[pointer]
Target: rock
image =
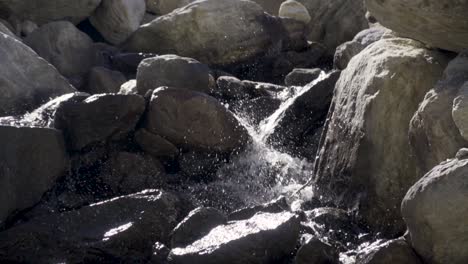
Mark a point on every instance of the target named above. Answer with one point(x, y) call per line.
point(313, 250)
point(200, 165)
point(388, 252)
point(215, 32)
point(278, 205)
point(301, 77)
point(264, 238)
point(25, 173)
point(366, 158)
point(126, 172)
point(128, 62)
point(25, 88)
point(130, 87)
point(45, 11)
point(162, 7)
point(440, 24)
point(270, 6)
point(335, 22)
point(5, 30)
point(193, 120)
point(196, 225)
point(148, 17)
point(64, 46)
point(160, 254)
point(232, 89)
point(104, 80)
point(346, 51)
point(122, 229)
point(459, 111)
point(434, 135)
point(155, 145)
point(28, 27)
point(173, 71)
point(116, 20)
point(298, 129)
point(98, 118)
point(295, 10)
point(295, 38)
point(257, 109)
point(435, 211)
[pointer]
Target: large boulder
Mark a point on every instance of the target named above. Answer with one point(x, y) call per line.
point(27, 80)
point(434, 135)
point(173, 71)
point(123, 229)
point(335, 22)
point(435, 211)
point(388, 252)
point(194, 120)
point(264, 238)
point(116, 20)
point(366, 157)
point(162, 7)
point(64, 46)
point(104, 80)
point(44, 11)
point(220, 32)
point(438, 23)
point(294, 10)
point(98, 118)
point(31, 160)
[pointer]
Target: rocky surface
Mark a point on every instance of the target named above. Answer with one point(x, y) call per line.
point(386, 252)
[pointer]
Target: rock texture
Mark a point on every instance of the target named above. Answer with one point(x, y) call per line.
point(388, 252)
point(162, 7)
point(366, 158)
point(27, 81)
point(104, 80)
point(295, 10)
point(460, 110)
point(440, 24)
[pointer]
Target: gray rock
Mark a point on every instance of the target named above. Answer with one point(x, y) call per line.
point(173, 71)
point(6, 30)
point(64, 46)
point(116, 20)
point(130, 87)
point(313, 250)
point(196, 225)
point(435, 211)
point(439, 23)
point(388, 252)
point(301, 77)
point(160, 253)
point(257, 109)
point(270, 6)
point(295, 10)
point(31, 160)
point(155, 145)
point(264, 238)
point(162, 7)
point(27, 80)
point(278, 205)
point(230, 88)
point(366, 158)
point(460, 110)
point(104, 80)
point(98, 118)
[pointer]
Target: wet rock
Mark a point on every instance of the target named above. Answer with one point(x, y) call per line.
point(200, 165)
point(193, 120)
point(27, 80)
point(155, 145)
point(130, 87)
point(440, 24)
point(45, 11)
point(301, 77)
point(196, 225)
point(162, 7)
point(313, 250)
point(256, 110)
point(99, 118)
point(123, 229)
point(459, 111)
point(367, 161)
point(230, 88)
point(388, 252)
point(31, 159)
point(278, 205)
point(434, 135)
point(295, 35)
point(173, 71)
point(335, 22)
point(64, 46)
point(435, 212)
point(104, 80)
point(128, 62)
point(215, 32)
point(126, 172)
point(264, 238)
point(295, 10)
point(116, 20)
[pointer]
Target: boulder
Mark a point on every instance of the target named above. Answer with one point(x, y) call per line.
point(64, 46)
point(27, 80)
point(301, 77)
point(173, 71)
point(435, 212)
point(155, 145)
point(199, 165)
point(434, 135)
point(438, 23)
point(130, 87)
point(270, 6)
point(196, 225)
point(232, 89)
point(162, 7)
point(388, 252)
point(264, 238)
point(116, 20)
point(31, 160)
point(278, 205)
point(123, 229)
point(104, 80)
point(128, 62)
point(98, 118)
point(5, 30)
point(460, 110)
point(194, 120)
point(295, 10)
point(335, 22)
point(313, 250)
point(45, 11)
point(258, 109)
point(366, 158)
point(215, 32)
